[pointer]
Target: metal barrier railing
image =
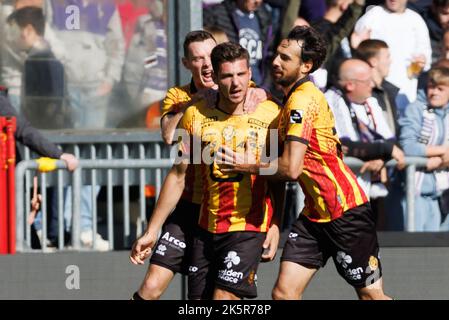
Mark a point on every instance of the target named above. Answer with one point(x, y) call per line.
point(23, 230)
point(412, 163)
point(24, 239)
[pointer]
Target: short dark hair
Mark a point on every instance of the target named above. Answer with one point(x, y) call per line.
point(440, 3)
point(313, 47)
point(227, 52)
point(33, 16)
point(369, 48)
point(196, 36)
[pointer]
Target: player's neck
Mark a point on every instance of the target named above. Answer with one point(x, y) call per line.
point(286, 90)
point(229, 107)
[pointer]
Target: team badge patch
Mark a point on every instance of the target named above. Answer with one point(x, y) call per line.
point(296, 116)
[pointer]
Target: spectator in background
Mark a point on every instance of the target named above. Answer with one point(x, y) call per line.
point(43, 75)
point(145, 71)
point(249, 23)
point(92, 51)
point(407, 36)
point(424, 133)
point(312, 10)
point(218, 34)
point(30, 137)
point(436, 17)
point(359, 118)
point(93, 54)
point(130, 11)
point(377, 54)
point(335, 26)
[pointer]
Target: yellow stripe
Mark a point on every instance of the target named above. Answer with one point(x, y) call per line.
point(238, 216)
point(264, 225)
point(313, 189)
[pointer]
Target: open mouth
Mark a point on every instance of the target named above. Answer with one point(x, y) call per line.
point(207, 76)
point(235, 93)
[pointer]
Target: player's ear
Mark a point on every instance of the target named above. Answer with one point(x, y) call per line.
point(306, 66)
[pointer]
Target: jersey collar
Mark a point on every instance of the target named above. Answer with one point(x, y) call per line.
point(297, 84)
point(193, 88)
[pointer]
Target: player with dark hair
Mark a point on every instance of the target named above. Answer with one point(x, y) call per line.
point(337, 220)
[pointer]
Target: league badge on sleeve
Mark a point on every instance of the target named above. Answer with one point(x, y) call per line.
point(296, 116)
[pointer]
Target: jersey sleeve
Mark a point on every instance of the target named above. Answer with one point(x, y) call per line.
point(173, 101)
point(300, 114)
point(185, 132)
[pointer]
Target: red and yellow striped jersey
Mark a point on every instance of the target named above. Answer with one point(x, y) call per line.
point(171, 104)
point(235, 202)
point(329, 186)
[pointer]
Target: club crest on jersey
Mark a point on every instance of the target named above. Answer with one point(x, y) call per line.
point(296, 116)
point(228, 133)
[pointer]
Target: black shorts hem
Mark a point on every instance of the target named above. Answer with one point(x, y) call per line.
point(304, 263)
point(175, 269)
point(237, 292)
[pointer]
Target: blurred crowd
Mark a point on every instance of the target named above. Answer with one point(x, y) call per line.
point(92, 64)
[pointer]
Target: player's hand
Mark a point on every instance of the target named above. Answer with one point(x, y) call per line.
point(254, 96)
point(230, 161)
point(70, 160)
point(271, 243)
point(372, 166)
point(399, 156)
point(142, 248)
point(36, 201)
point(357, 37)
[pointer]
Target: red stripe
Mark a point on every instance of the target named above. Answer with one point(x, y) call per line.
point(225, 207)
point(319, 175)
point(204, 218)
point(256, 214)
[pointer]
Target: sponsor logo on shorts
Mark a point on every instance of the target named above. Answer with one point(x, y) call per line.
point(228, 274)
point(344, 259)
point(173, 242)
point(293, 235)
point(232, 259)
point(373, 263)
point(354, 274)
point(252, 277)
point(193, 269)
point(161, 250)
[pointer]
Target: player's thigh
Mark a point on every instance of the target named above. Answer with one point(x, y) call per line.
point(292, 280)
point(201, 271)
point(355, 247)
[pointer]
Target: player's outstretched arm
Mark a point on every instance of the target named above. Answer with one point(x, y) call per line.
point(287, 167)
point(170, 194)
